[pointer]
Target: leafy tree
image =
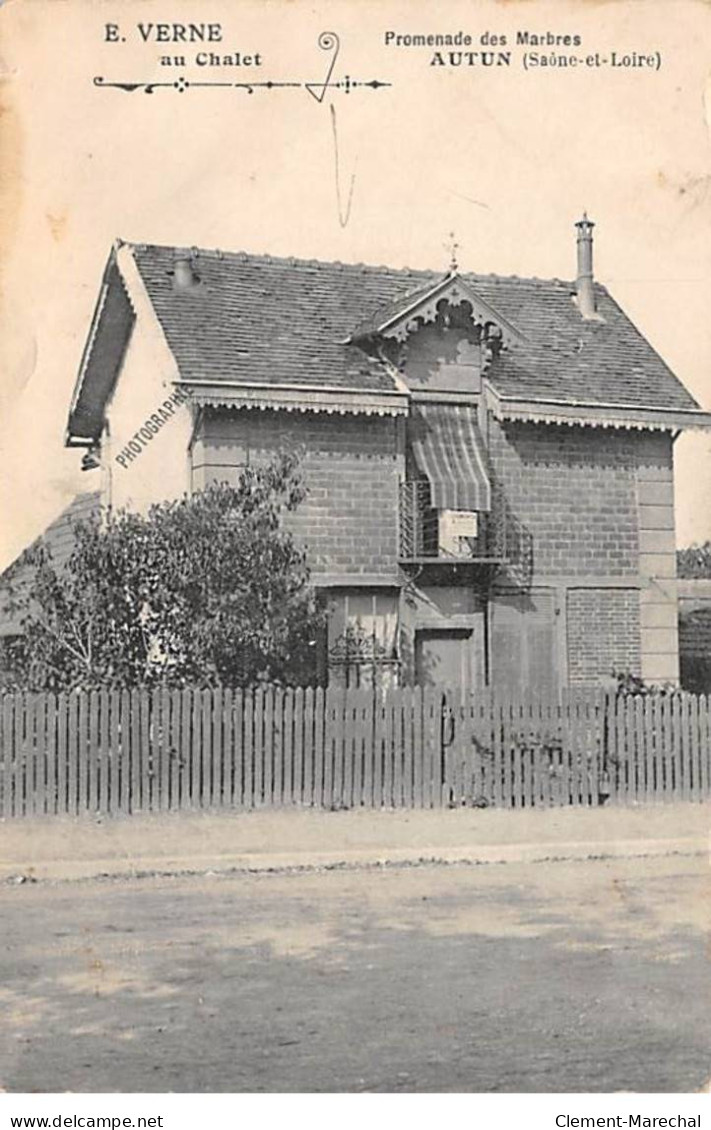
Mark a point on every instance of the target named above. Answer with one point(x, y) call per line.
point(206, 590)
point(694, 561)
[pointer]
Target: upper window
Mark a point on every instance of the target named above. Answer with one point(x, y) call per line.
point(444, 355)
point(441, 338)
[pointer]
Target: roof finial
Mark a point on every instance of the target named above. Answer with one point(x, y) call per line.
point(453, 248)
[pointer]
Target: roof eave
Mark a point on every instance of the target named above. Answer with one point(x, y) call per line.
point(297, 398)
point(123, 300)
point(596, 415)
point(70, 438)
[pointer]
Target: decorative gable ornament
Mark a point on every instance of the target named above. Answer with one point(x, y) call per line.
point(453, 292)
point(434, 305)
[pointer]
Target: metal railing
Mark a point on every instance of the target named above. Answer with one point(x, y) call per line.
point(501, 538)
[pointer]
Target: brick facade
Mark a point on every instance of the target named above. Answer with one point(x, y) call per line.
point(596, 502)
point(599, 506)
point(351, 467)
point(575, 490)
point(602, 634)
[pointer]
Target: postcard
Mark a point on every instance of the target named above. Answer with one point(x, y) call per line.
point(355, 590)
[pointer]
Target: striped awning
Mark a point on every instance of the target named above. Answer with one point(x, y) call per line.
point(449, 450)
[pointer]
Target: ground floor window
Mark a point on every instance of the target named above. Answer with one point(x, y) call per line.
point(362, 636)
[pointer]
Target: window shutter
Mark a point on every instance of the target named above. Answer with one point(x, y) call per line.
point(523, 644)
point(506, 640)
point(541, 672)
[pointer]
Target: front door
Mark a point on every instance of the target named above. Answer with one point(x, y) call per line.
point(444, 657)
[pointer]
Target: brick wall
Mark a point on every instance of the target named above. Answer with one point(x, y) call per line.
point(351, 467)
point(575, 490)
point(603, 633)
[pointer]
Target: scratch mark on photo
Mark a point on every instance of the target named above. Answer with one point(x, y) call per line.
point(469, 199)
point(343, 217)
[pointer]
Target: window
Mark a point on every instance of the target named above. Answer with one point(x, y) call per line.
point(362, 635)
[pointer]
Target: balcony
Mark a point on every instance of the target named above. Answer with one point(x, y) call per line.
point(501, 541)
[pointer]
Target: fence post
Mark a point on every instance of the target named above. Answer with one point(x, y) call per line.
point(90, 751)
point(319, 778)
point(259, 728)
point(104, 753)
point(704, 744)
point(268, 745)
point(62, 799)
point(249, 753)
point(51, 732)
point(226, 721)
point(215, 769)
point(238, 747)
point(408, 734)
point(306, 730)
point(624, 779)
point(292, 747)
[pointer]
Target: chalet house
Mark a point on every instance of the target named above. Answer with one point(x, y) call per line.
point(488, 460)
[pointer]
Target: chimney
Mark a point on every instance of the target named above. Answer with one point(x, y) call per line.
point(184, 277)
point(584, 282)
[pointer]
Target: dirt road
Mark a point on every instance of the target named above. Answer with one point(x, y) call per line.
point(576, 976)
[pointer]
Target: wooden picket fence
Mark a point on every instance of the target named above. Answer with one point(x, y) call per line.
point(135, 751)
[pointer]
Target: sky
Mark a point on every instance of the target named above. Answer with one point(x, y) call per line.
point(505, 157)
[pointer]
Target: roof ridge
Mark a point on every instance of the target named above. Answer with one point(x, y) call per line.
point(291, 261)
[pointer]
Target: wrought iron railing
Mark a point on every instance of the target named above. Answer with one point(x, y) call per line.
point(501, 538)
point(419, 523)
point(359, 659)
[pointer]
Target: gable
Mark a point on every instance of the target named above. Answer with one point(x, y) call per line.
point(443, 338)
point(405, 316)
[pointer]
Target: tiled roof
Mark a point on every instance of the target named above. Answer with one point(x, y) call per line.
point(385, 315)
point(259, 319)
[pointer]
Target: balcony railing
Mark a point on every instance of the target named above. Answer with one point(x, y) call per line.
point(501, 540)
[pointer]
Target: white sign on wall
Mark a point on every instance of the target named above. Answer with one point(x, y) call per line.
point(454, 527)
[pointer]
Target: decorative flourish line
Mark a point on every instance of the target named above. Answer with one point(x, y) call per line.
point(181, 84)
point(327, 41)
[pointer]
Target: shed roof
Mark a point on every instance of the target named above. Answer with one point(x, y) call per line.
point(15, 580)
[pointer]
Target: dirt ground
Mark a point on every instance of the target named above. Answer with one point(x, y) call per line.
point(65, 848)
point(583, 975)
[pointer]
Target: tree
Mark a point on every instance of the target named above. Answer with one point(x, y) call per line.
point(695, 561)
point(206, 590)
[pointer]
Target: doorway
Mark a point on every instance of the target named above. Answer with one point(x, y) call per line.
point(444, 657)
